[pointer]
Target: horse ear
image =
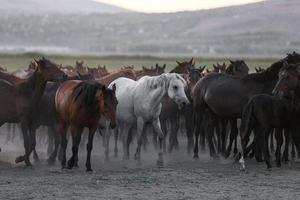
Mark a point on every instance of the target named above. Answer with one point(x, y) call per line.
point(114, 87)
point(191, 61)
point(178, 62)
point(103, 88)
point(231, 61)
point(164, 66)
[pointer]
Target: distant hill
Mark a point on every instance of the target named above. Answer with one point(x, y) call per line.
point(265, 29)
point(37, 7)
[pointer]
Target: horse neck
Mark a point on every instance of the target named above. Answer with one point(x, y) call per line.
point(157, 93)
point(265, 81)
point(37, 83)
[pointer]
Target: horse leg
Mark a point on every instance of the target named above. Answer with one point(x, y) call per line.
point(285, 157)
point(124, 131)
point(76, 137)
point(204, 125)
point(53, 134)
point(189, 132)
point(233, 135)
point(265, 147)
point(196, 133)
point(223, 136)
point(210, 135)
point(173, 135)
point(165, 131)
point(116, 135)
point(106, 139)
point(50, 141)
point(89, 148)
point(27, 145)
point(157, 129)
point(272, 140)
point(140, 127)
point(279, 142)
point(64, 142)
point(218, 132)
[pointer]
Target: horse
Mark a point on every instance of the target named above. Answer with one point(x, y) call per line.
point(128, 73)
point(81, 104)
point(237, 68)
point(225, 95)
point(171, 112)
point(140, 104)
point(98, 72)
point(183, 67)
point(21, 99)
point(264, 113)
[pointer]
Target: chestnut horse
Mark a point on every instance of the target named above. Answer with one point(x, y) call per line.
point(128, 73)
point(21, 99)
point(81, 104)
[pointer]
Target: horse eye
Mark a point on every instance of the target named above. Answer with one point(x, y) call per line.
point(175, 87)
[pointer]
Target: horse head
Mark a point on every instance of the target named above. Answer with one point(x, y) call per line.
point(110, 104)
point(49, 70)
point(176, 89)
point(288, 78)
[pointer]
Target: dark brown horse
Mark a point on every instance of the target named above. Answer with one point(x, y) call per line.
point(237, 68)
point(21, 99)
point(264, 113)
point(81, 104)
point(225, 96)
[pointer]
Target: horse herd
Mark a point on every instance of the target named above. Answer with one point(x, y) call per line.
point(138, 103)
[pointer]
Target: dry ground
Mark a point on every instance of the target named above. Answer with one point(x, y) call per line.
point(180, 178)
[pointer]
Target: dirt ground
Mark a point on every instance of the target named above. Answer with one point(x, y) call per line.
point(180, 178)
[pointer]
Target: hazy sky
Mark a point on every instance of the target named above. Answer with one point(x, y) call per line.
point(173, 5)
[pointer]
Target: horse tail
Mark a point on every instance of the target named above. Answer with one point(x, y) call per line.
point(247, 123)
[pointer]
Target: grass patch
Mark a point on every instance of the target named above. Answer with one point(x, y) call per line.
point(21, 61)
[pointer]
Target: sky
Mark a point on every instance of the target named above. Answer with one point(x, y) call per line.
point(173, 5)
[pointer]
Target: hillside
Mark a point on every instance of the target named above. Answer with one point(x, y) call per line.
point(41, 7)
point(265, 29)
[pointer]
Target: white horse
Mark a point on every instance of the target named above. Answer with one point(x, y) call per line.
point(139, 102)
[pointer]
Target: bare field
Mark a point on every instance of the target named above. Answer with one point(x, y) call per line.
point(21, 61)
point(180, 178)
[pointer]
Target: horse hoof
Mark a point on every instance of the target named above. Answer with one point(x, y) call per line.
point(89, 170)
point(19, 159)
point(196, 157)
point(70, 164)
point(278, 164)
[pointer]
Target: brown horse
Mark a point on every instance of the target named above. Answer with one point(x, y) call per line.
point(128, 73)
point(21, 99)
point(225, 96)
point(98, 72)
point(183, 67)
point(81, 104)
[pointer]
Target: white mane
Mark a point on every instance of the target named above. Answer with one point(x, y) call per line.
point(162, 80)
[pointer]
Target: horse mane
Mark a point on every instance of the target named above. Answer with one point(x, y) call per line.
point(84, 94)
point(270, 73)
point(155, 81)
